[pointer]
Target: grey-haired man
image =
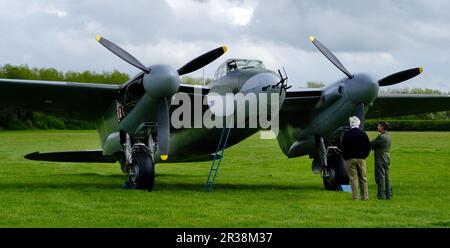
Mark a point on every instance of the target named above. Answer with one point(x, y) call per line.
point(355, 149)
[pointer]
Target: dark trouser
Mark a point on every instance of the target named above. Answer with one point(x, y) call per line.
point(383, 179)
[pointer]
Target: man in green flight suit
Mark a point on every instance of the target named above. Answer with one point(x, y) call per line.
point(381, 146)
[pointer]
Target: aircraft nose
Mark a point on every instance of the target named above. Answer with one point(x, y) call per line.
point(261, 86)
point(162, 81)
point(361, 89)
point(259, 83)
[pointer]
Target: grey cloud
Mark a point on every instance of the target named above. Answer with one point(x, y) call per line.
point(350, 25)
point(412, 32)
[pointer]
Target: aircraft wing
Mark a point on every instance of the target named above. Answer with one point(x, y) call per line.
point(301, 100)
point(193, 89)
point(81, 101)
point(406, 104)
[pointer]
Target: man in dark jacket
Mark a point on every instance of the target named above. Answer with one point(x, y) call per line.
point(355, 149)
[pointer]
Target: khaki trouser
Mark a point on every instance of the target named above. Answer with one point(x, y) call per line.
point(357, 173)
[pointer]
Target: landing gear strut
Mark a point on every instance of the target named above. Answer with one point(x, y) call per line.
point(141, 174)
point(336, 171)
point(330, 163)
point(138, 164)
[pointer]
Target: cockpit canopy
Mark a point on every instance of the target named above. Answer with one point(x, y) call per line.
point(237, 65)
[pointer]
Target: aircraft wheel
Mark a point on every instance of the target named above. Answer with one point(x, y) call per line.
point(329, 179)
point(141, 175)
point(337, 173)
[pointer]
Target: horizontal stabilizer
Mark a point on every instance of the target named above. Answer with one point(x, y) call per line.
point(95, 156)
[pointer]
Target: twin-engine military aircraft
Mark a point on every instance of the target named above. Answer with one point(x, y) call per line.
point(133, 119)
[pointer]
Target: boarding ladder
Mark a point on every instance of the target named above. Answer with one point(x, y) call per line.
point(215, 166)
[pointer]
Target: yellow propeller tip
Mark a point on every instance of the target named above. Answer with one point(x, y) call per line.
point(311, 38)
point(225, 49)
point(98, 37)
point(164, 157)
point(420, 69)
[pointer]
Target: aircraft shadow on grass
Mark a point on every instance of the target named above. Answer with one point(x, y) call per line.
point(86, 181)
point(236, 187)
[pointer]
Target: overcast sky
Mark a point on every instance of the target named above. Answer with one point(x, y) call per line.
point(376, 37)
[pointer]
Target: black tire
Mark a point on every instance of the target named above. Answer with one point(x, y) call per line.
point(329, 179)
point(141, 174)
point(337, 172)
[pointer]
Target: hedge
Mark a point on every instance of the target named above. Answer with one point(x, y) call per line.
point(411, 125)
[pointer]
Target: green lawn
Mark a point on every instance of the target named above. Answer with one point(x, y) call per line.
point(256, 187)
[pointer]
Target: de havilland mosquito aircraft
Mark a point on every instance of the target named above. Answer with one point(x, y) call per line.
point(133, 119)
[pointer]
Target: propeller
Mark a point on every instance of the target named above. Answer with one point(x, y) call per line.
point(330, 56)
point(121, 53)
point(389, 80)
point(163, 119)
point(163, 128)
point(400, 76)
point(189, 67)
point(202, 60)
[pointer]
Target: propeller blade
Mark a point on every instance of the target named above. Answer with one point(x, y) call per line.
point(330, 56)
point(121, 53)
point(202, 60)
point(400, 76)
point(163, 128)
point(361, 115)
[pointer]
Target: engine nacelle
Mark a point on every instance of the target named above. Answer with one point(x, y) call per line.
point(302, 147)
point(329, 96)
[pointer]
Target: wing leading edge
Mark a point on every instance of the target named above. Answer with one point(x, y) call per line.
point(406, 104)
point(80, 101)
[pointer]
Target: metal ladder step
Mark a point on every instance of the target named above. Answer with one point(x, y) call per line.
point(217, 158)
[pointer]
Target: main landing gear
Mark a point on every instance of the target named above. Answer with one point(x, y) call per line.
point(138, 163)
point(330, 163)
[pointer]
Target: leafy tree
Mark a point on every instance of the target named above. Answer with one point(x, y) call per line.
point(412, 91)
point(195, 80)
point(313, 84)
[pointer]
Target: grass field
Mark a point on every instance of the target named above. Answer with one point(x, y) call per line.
point(256, 187)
